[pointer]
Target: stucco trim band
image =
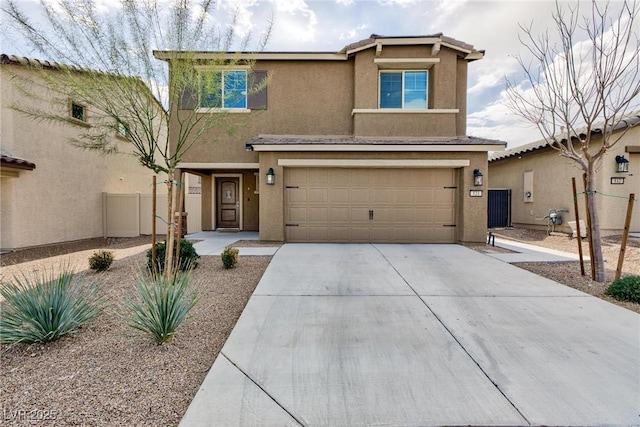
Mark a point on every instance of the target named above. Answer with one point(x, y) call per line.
point(385, 63)
point(370, 147)
point(373, 163)
point(219, 165)
point(401, 111)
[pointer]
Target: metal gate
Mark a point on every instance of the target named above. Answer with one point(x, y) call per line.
point(499, 209)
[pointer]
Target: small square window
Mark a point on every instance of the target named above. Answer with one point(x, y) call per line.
point(403, 89)
point(223, 89)
point(123, 132)
point(78, 112)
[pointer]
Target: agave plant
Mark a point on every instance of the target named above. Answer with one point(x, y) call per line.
point(160, 305)
point(44, 307)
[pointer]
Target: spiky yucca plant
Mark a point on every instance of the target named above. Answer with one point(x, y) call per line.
point(44, 307)
point(160, 305)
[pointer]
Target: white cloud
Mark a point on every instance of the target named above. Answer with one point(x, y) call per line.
point(351, 35)
point(297, 19)
point(496, 121)
point(243, 13)
point(403, 3)
point(492, 75)
point(445, 10)
point(345, 2)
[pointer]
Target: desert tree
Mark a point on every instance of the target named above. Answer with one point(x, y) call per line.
point(104, 58)
point(580, 80)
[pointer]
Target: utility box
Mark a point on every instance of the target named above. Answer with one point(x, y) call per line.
point(574, 229)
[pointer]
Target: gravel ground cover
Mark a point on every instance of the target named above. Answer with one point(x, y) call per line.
point(568, 273)
point(109, 374)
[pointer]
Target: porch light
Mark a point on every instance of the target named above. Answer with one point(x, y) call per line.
point(477, 177)
point(271, 177)
point(622, 163)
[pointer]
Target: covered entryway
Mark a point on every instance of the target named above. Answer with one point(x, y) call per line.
point(370, 205)
point(228, 202)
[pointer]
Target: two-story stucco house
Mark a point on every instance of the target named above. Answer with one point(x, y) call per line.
point(367, 144)
point(51, 191)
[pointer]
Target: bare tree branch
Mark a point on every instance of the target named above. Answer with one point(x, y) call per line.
point(586, 82)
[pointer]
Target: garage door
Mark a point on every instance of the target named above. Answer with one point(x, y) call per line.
point(370, 205)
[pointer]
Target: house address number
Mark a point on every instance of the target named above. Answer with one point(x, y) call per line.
point(475, 193)
point(617, 180)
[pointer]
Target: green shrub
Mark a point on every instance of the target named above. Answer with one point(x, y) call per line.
point(45, 307)
point(625, 289)
point(160, 305)
point(101, 260)
point(188, 255)
point(229, 257)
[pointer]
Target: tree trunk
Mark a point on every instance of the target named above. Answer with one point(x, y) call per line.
point(171, 203)
point(154, 254)
point(598, 259)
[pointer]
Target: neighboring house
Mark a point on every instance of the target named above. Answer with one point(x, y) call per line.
point(52, 191)
point(540, 179)
point(367, 144)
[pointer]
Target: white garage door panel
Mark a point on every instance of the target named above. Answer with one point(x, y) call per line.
point(370, 205)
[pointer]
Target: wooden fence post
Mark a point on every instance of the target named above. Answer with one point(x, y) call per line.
point(625, 235)
point(575, 207)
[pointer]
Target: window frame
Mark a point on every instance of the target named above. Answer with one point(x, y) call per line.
point(222, 71)
point(84, 120)
point(403, 94)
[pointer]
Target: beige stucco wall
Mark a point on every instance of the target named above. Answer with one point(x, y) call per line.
point(303, 98)
point(61, 200)
point(471, 225)
point(552, 188)
point(447, 79)
point(318, 98)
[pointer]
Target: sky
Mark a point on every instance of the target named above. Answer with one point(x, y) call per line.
point(329, 25)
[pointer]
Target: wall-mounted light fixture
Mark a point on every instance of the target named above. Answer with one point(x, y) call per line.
point(622, 164)
point(477, 177)
point(271, 177)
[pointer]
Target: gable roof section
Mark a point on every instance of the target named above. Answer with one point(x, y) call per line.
point(349, 143)
point(374, 41)
point(629, 121)
point(437, 40)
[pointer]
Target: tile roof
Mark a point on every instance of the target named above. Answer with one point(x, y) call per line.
point(350, 140)
point(373, 37)
point(38, 63)
point(16, 163)
point(628, 121)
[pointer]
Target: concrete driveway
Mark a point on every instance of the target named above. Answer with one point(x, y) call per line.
point(398, 335)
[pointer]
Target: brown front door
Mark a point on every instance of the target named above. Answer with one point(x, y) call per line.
point(228, 203)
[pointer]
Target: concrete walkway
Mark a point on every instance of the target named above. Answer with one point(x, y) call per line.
point(523, 252)
point(397, 335)
point(214, 242)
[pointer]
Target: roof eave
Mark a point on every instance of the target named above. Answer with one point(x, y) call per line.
point(249, 56)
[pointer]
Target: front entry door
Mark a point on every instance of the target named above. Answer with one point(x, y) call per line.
point(228, 203)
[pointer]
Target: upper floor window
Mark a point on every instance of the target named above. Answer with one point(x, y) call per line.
point(77, 112)
point(403, 89)
point(223, 89)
